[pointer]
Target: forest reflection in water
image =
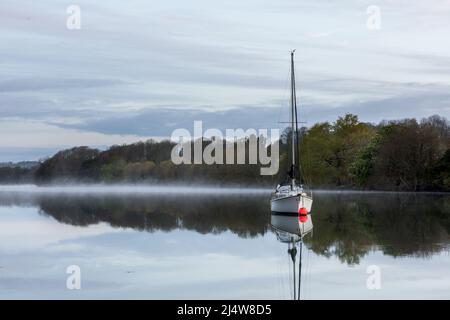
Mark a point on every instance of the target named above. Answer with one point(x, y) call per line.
point(346, 225)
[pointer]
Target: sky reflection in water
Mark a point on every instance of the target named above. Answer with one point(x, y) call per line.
point(219, 245)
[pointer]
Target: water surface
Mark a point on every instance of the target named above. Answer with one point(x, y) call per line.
point(134, 242)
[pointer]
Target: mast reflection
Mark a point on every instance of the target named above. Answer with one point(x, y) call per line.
point(291, 229)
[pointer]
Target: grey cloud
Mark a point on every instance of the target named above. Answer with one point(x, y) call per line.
point(25, 154)
point(161, 122)
point(406, 106)
point(39, 84)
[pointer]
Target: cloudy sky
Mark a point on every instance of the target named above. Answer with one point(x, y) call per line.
point(140, 69)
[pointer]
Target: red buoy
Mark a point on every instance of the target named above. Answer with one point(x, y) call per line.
point(303, 211)
point(302, 214)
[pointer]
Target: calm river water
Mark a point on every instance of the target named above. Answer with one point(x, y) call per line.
point(207, 243)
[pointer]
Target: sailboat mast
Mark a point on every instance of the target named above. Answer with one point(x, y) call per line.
point(295, 169)
point(293, 118)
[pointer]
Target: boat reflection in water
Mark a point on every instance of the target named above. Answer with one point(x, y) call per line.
point(291, 229)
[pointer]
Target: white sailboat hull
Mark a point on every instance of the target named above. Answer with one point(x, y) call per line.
point(290, 204)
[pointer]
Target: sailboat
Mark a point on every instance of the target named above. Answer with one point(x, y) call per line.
point(290, 198)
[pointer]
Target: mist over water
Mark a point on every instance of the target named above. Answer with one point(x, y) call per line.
point(130, 189)
point(160, 189)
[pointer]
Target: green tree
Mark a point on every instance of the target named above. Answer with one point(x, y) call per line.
point(113, 171)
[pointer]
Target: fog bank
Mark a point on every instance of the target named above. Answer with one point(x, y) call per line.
point(130, 189)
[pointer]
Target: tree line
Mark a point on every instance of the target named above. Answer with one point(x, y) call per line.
point(406, 155)
point(394, 155)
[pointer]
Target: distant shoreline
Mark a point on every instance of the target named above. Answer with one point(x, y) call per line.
point(346, 155)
